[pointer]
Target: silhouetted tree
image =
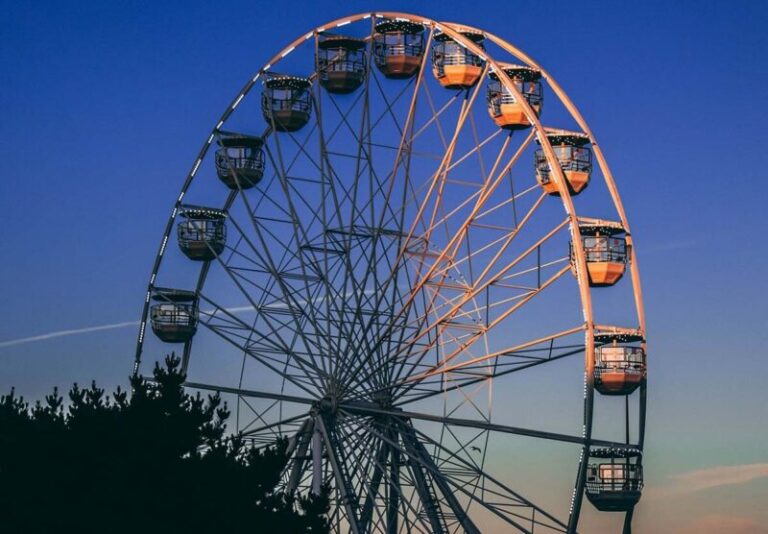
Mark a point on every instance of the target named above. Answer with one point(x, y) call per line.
point(158, 460)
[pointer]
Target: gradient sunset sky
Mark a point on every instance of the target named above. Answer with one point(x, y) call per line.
point(103, 106)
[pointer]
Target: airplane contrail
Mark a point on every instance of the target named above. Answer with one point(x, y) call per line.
point(62, 333)
point(98, 328)
point(90, 329)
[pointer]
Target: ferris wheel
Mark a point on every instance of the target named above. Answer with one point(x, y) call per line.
point(383, 248)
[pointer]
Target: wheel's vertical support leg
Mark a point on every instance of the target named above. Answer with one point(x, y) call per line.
point(589, 401)
point(303, 438)
point(317, 459)
point(343, 484)
point(373, 487)
point(393, 502)
point(421, 484)
point(427, 499)
point(626, 419)
point(643, 399)
point(185, 357)
point(578, 491)
point(628, 521)
point(415, 447)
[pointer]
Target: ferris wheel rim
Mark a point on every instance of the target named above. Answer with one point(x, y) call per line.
point(537, 127)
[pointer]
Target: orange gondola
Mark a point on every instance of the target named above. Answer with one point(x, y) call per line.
point(605, 250)
point(398, 48)
point(620, 365)
point(574, 157)
point(503, 107)
point(455, 66)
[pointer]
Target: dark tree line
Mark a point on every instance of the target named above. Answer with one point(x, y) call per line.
point(157, 460)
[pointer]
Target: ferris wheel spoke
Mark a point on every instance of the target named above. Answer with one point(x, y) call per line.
point(266, 266)
point(372, 409)
point(506, 238)
point(268, 431)
point(251, 393)
point(349, 281)
point(403, 132)
point(418, 326)
point(232, 324)
point(295, 467)
point(477, 151)
point(437, 114)
point(244, 345)
point(475, 336)
point(273, 341)
point(503, 490)
point(470, 376)
point(493, 186)
point(510, 236)
point(427, 478)
point(382, 292)
point(414, 448)
point(480, 144)
point(381, 319)
point(518, 291)
point(390, 104)
point(344, 115)
point(359, 455)
point(447, 164)
point(372, 306)
point(343, 482)
point(520, 351)
point(257, 431)
point(489, 187)
point(302, 240)
point(299, 229)
point(438, 178)
point(281, 277)
point(363, 459)
point(258, 415)
point(455, 304)
point(372, 490)
point(410, 359)
point(388, 280)
point(332, 294)
point(399, 504)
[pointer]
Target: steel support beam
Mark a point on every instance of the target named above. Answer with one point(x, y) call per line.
point(370, 408)
point(303, 438)
point(418, 450)
point(344, 485)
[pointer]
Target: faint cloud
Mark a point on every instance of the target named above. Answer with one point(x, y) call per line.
point(719, 524)
point(712, 477)
point(721, 476)
point(671, 245)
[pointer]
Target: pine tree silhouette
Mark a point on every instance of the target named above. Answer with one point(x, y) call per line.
point(157, 460)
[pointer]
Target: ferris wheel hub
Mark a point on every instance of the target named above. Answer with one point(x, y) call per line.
point(328, 405)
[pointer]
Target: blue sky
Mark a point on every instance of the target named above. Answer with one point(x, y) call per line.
point(104, 106)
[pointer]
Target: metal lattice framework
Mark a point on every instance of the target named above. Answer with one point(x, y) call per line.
point(397, 262)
